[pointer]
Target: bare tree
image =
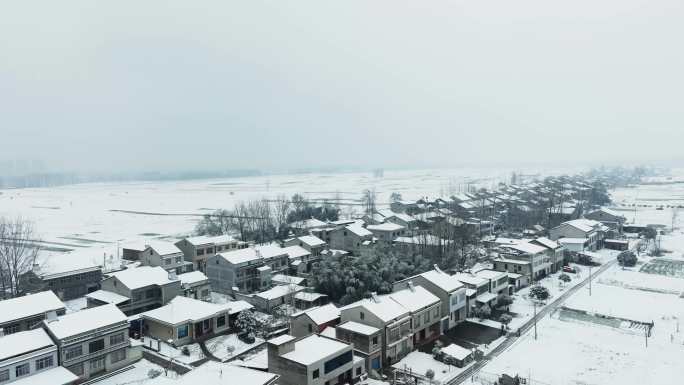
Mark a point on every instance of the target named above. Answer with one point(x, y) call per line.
point(18, 251)
point(282, 208)
point(368, 201)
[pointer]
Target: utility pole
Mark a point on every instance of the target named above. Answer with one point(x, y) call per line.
point(646, 334)
point(590, 280)
point(535, 320)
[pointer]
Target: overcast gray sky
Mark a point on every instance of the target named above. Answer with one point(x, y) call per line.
point(144, 85)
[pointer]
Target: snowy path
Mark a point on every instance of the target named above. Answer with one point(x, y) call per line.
point(526, 327)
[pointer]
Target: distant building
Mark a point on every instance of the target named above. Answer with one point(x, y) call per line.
point(195, 285)
point(145, 288)
point(351, 238)
point(69, 275)
point(592, 231)
point(93, 341)
point(185, 320)
point(28, 312)
point(366, 340)
point(198, 249)
point(266, 301)
point(246, 270)
point(386, 232)
point(314, 320)
point(311, 243)
point(609, 218)
point(165, 255)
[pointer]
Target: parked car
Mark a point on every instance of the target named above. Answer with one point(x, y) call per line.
point(568, 269)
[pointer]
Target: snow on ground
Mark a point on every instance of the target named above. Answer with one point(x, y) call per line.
point(419, 363)
point(218, 346)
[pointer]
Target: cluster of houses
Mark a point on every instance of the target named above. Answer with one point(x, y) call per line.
point(163, 290)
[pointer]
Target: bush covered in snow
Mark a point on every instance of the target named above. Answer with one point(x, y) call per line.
point(539, 293)
point(627, 259)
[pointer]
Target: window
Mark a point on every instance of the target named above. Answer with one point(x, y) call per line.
point(4, 375)
point(221, 321)
point(358, 371)
point(22, 370)
point(436, 315)
point(11, 329)
point(96, 346)
point(375, 340)
point(426, 317)
point(73, 352)
point(116, 339)
point(167, 261)
point(361, 315)
point(310, 328)
point(416, 322)
point(205, 293)
point(316, 374)
point(97, 364)
point(200, 251)
point(179, 259)
point(182, 331)
point(338, 361)
point(45, 362)
point(117, 356)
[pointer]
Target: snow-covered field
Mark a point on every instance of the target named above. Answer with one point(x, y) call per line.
point(102, 213)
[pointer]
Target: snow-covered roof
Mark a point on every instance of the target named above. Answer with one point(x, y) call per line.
point(486, 297)
point(287, 279)
point(214, 373)
point(58, 375)
point(547, 243)
point(321, 314)
point(107, 297)
point(308, 296)
point(415, 298)
point(387, 226)
point(458, 352)
point(359, 230)
point(490, 274)
point(572, 240)
point(249, 254)
point(311, 240)
point(85, 320)
point(285, 338)
point(512, 261)
point(143, 276)
point(209, 240)
point(358, 328)
point(470, 279)
point(443, 280)
point(295, 252)
point(423, 239)
point(182, 309)
point(192, 277)
point(238, 306)
point(382, 306)
point(55, 264)
point(20, 343)
point(279, 291)
point(164, 248)
point(29, 306)
point(314, 348)
point(329, 332)
point(526, 247)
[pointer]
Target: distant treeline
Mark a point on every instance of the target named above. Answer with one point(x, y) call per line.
point(60, 179)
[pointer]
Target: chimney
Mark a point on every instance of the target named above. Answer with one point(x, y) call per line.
point(172, 276)
point(411, 287)
point(437, 269)
point(374, 297)
point(36, 268)
point(2, 332)
point(51, 316)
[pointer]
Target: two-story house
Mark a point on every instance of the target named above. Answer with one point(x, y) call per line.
point(198, 249)
point(592, 232)
point(313, 360)
point(166, 255)
point(351, 238)
point(28, 312)
point(246, 270)
point(386, 232)
point(30, 358)
point(498, 281)
point(540, 262)
point(92, 341)
point(450, 291)
point(366, 340)
point(311, 243)
point(477, 291)
point(554, 250)
point(195, 285)
point(314, 320)
point(145, 287)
